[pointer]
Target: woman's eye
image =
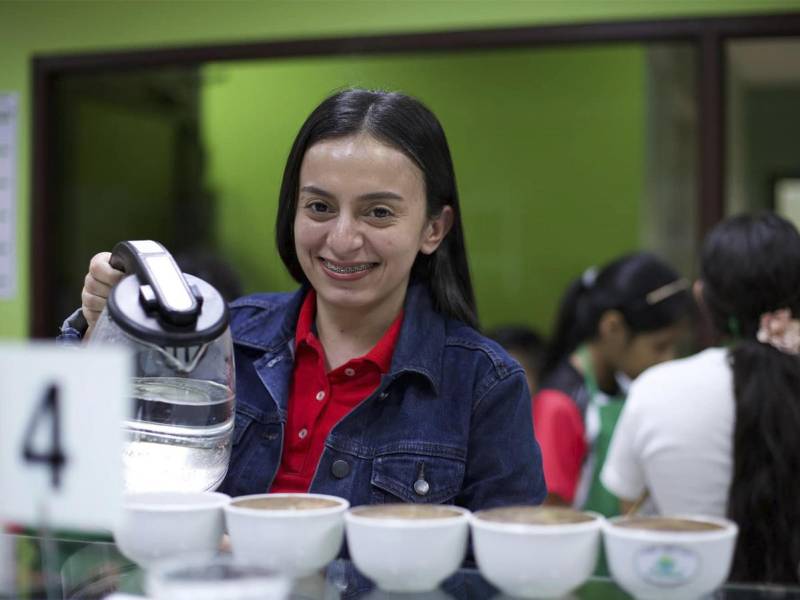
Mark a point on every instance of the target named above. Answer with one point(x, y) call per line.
point(380, 212)
point(318, 207)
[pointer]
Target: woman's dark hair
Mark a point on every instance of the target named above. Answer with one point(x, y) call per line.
point(751, 265)
point(407, 125)
point(648, 293)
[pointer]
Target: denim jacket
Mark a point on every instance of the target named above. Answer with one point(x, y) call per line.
point(449, 423)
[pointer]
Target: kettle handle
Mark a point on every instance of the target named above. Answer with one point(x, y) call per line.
point(163, 288)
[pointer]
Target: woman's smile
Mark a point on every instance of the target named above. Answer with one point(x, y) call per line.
point(347, 271)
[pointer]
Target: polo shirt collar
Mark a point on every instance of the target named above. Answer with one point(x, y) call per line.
point(380, 355)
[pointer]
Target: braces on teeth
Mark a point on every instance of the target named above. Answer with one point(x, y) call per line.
point(337, 269)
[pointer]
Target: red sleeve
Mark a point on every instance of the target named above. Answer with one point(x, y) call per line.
point(560, 432)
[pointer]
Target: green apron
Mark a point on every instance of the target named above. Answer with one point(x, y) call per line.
point(608, 408)
point(598, 498)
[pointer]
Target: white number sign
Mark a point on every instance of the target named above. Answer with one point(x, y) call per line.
point(61, 412)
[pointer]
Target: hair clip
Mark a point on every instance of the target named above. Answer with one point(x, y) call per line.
point(665, 291)
point(780, 330)
point(589, 277)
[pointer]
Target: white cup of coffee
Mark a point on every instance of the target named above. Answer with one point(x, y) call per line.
point(160, 525)
point(407, 547)
point(679, 557)
point(535, 551)
point(295, 534)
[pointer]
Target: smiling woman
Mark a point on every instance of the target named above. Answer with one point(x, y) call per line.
point(371, 382)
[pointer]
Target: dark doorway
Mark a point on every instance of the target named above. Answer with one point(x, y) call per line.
point(130, 167)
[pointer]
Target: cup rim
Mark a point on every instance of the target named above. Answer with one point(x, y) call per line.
point(400, 522)
point(729, 529)
point(539, 528)
point(138, 501)
point(342, 505)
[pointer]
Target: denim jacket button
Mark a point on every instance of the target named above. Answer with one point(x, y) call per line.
point(340, 469)
point(422, 487)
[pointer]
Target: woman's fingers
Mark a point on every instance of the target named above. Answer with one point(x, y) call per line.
point(92, 302)
point(97, 286)
point(100, 268)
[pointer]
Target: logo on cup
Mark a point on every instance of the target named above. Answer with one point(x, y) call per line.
point(665, 565)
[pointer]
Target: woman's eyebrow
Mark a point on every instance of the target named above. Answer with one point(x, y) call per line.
point(383, 195)
point(380, 195)
point(311, 189)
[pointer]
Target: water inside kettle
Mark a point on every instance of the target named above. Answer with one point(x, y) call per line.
point(179, 438)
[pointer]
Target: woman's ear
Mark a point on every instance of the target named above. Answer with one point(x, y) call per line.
point(436, 230)
point(612, 326)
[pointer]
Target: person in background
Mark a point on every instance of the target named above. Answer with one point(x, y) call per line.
point(613, 323)
point(371, 381)
point(525, 346)
point(717, 433)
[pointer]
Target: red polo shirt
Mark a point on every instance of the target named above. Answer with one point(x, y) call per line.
point(318, 400)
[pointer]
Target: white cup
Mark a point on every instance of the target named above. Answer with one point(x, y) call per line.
point(296, 541)
point(404, 551)
point(680, 565)
point(535, 560)
point(158, 525)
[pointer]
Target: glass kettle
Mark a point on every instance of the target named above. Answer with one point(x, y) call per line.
point(179, 435)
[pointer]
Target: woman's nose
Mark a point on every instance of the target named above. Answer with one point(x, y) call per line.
point(346, 236)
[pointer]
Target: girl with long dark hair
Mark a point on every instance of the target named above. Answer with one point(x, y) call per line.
point(613, 323)
point(371, 382)
point(717, 433)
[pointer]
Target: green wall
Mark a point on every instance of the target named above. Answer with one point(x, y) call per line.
point(547, 144)
point(44, 27)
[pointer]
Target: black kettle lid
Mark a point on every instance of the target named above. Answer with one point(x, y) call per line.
point(156, 303)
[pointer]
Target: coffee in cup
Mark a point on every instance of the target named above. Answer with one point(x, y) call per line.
point(667, 524)
point(407, 547)
point(534, 515)
point(286, 503)
point(536, 551)
point(407, 511)
point(669, 557)
point(295, 534)
point(161, 525)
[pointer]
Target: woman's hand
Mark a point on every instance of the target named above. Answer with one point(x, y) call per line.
point(96, 287)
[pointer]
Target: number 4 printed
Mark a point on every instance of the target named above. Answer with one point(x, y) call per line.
point(55, 459)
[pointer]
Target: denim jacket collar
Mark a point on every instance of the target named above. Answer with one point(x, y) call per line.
point(419, 349)
point(270, 334)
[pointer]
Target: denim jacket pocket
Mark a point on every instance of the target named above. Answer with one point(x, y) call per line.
point(419, 478)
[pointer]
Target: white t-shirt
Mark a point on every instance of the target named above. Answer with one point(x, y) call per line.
point(675, 437)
